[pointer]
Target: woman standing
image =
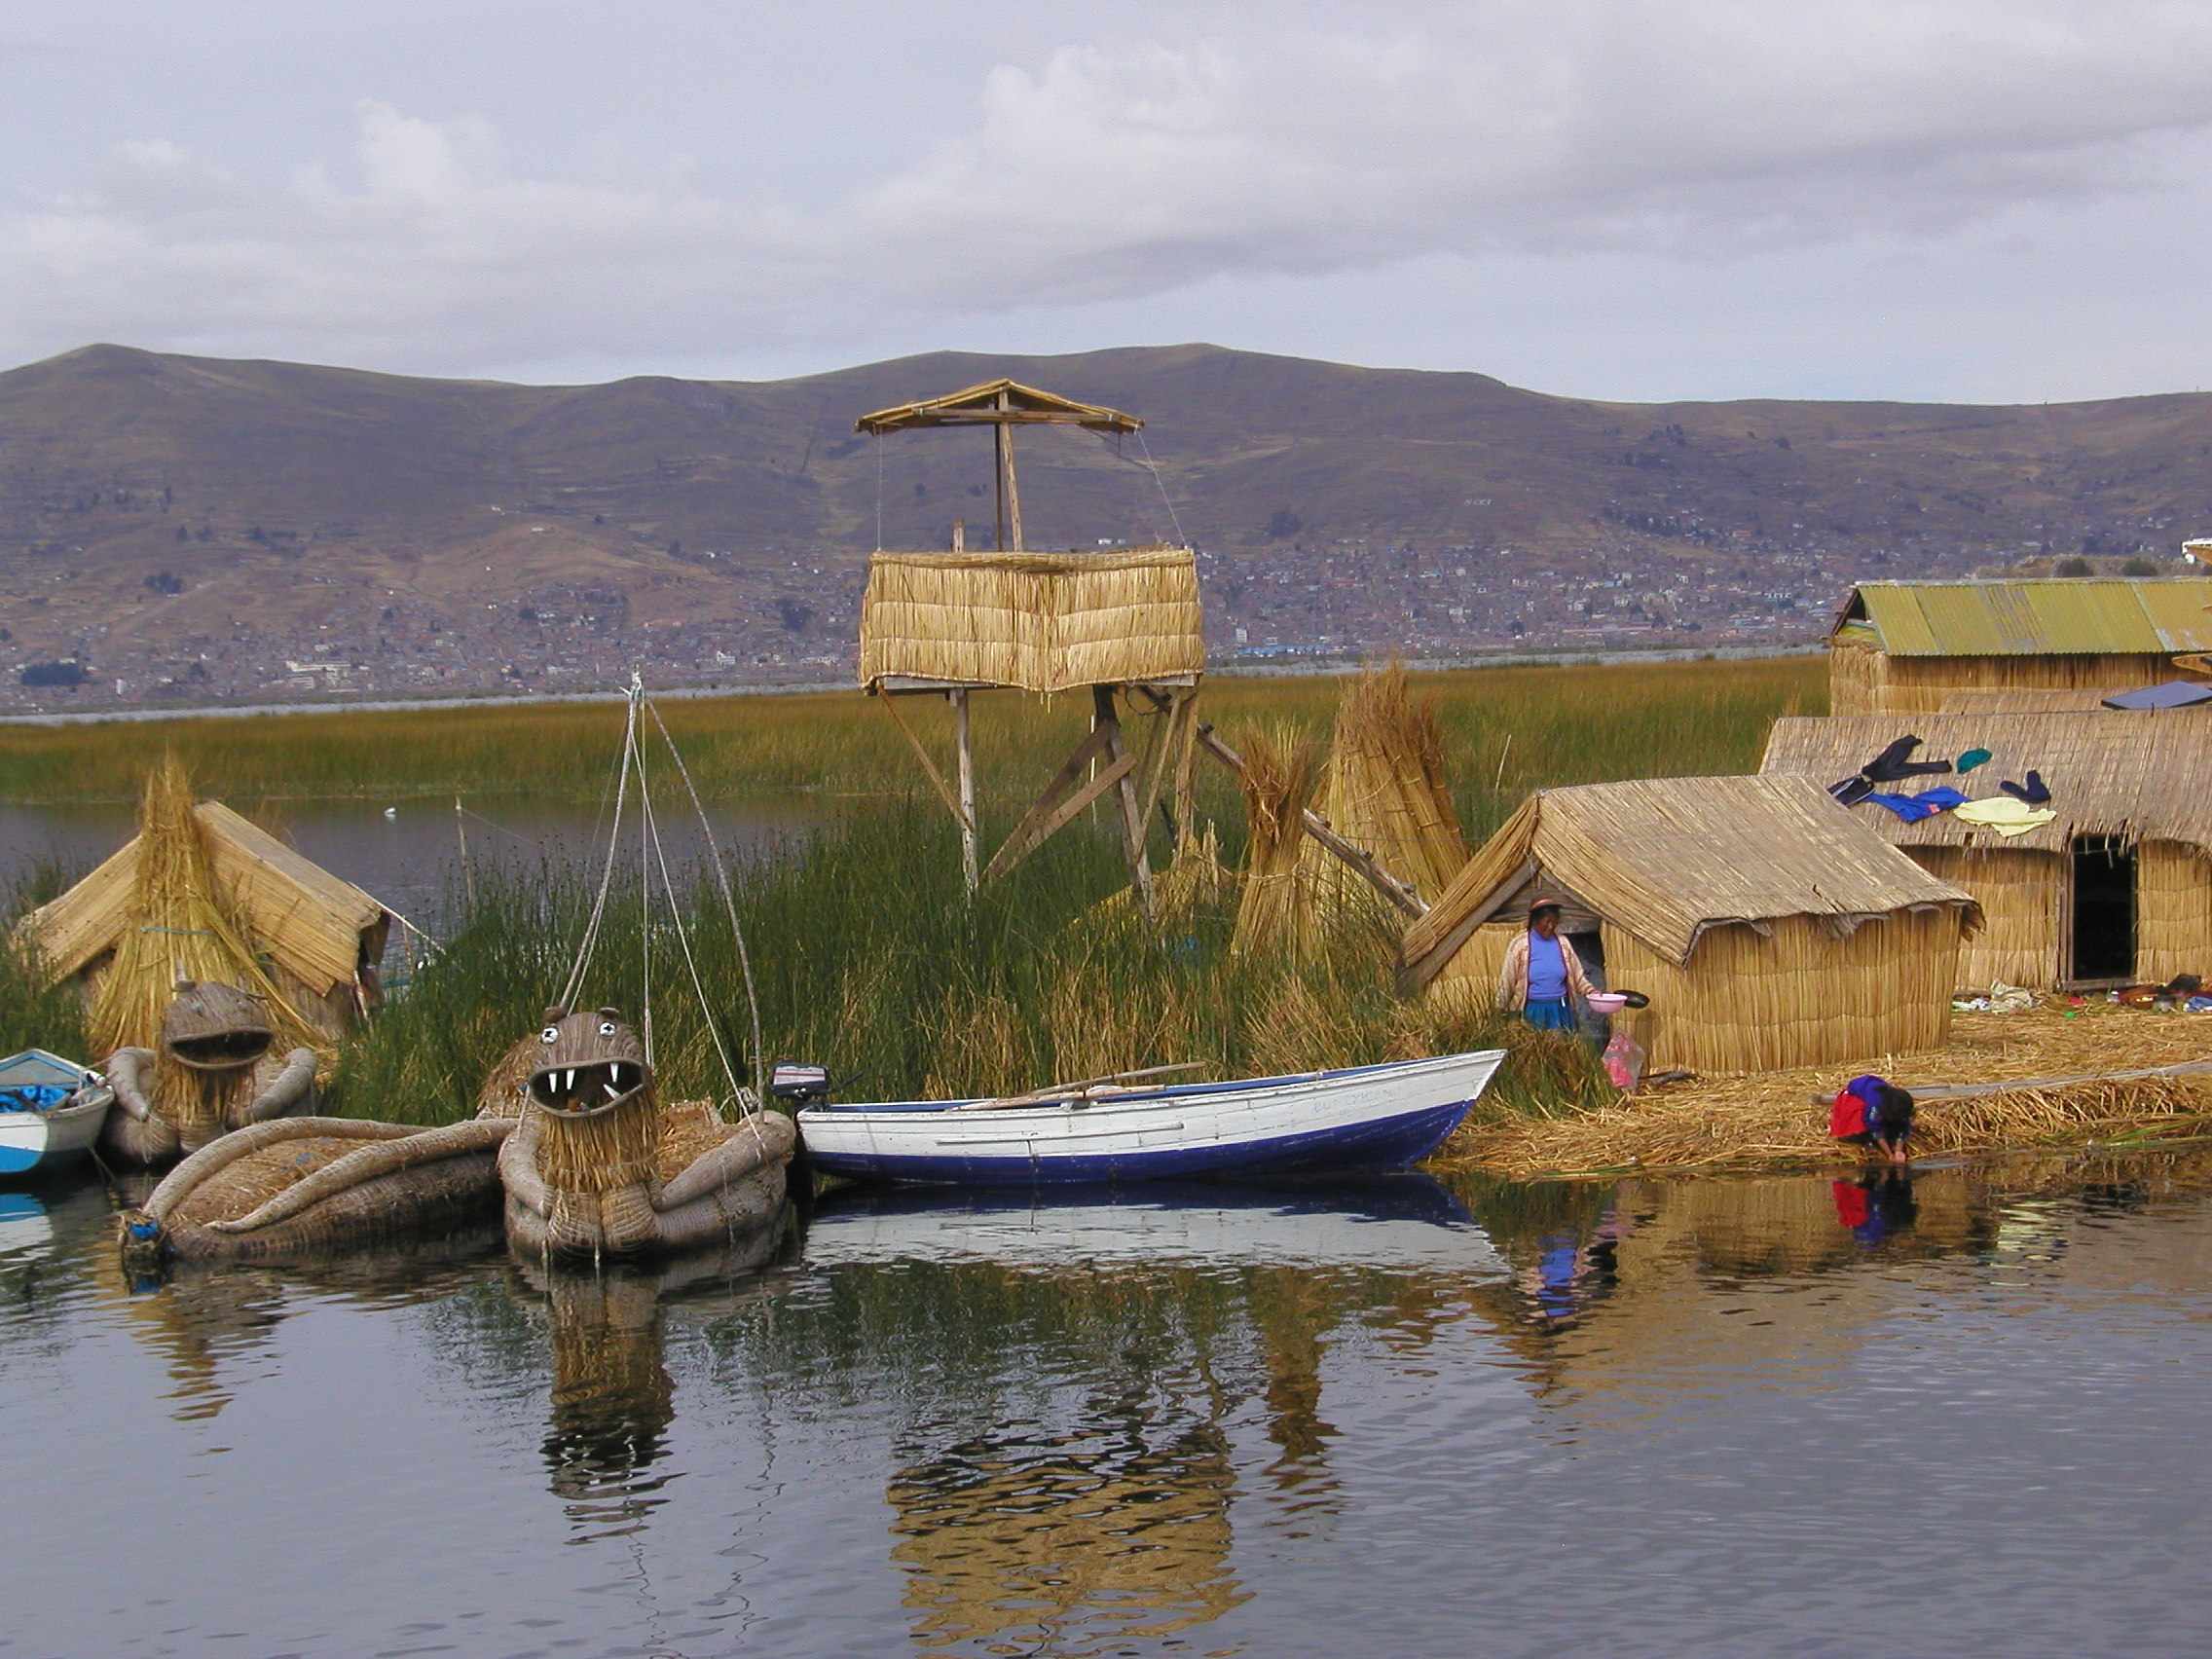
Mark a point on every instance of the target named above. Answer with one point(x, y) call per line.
point(1542, 974)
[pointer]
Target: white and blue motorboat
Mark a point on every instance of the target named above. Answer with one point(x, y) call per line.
point(50, 1111)
point(1359, 1118)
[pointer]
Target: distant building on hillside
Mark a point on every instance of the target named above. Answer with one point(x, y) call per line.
point(1906, 647)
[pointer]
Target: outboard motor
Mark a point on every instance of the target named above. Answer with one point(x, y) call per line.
point(800, 1085)
point(794, 1088)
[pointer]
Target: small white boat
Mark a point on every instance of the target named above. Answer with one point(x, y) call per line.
point(1361, 1118)
point(50, 1110)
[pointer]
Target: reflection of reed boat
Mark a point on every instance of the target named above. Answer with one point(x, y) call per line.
point(1379, 1117)
point(1401, 1222)
point(50, 1110)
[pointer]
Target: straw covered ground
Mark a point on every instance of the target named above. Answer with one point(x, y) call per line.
point(1780, 1118)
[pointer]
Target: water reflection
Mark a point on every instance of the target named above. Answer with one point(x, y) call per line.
point(613, 1397)
point(210, 1321)
point(1123, 1345)
point(1113, 1530)
point(1209, 1421)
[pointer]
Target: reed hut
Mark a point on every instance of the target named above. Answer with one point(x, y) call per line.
point(315, 938)
point(1768, 926)
point(2116, 888)
point(1904, 648)
point(1124, 626)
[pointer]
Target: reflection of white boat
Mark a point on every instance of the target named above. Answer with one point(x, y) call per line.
point(1402, 1223)
point(1382, 1117)
point(23, 1223)
point(50, 1110)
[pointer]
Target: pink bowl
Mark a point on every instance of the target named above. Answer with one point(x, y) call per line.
point(1606, 1001)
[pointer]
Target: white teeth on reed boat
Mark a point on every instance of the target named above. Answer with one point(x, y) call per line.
point(613, 1093)
point(571, 1084)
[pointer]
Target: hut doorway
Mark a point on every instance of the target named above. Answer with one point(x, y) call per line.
point(2101, 938)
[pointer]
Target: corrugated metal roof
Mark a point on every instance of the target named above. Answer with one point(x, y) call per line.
point(2029, 618)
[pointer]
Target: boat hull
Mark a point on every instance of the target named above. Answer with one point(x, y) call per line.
point(1363, 1117)
point(33, 1141)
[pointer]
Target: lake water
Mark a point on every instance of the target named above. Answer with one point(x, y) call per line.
point(1407, 1418)
point(411, 861)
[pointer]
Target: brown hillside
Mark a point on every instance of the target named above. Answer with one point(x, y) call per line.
point(312, 497)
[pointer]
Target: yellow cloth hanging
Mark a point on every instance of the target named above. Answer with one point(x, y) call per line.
point(2005, 813)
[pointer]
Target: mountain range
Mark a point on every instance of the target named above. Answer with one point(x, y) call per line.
point(157, 510)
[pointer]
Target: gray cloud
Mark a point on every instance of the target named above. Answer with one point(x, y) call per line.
point(1321, 180)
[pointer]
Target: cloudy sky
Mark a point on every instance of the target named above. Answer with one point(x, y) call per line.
point(2002, 201)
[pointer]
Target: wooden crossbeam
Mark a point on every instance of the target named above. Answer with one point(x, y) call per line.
point(1067, 794)
point(937, 778)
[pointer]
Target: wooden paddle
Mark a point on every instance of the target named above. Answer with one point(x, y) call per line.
point(1067, 1090)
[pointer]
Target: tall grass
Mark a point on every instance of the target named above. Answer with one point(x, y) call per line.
point(1504, 730)
point(35, 1012)
point(871, 959)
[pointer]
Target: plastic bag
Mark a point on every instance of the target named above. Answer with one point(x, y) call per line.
point(1624, 1061)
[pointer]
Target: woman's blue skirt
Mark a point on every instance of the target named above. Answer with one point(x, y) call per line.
point(1550, 1015)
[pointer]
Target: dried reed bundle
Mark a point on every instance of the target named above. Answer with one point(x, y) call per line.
point(1384, 790)
point(1278, 911)
point(1195, 882)
point(590, 1155)
point(182, 924)
point(2061, 1067)
point(502, 1093)
point(689, 1129)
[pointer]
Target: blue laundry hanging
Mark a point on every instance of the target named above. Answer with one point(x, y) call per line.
point(1926, 804)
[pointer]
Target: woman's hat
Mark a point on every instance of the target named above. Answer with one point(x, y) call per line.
point(1545, 905)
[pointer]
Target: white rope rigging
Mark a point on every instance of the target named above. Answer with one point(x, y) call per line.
point(1152, 466)
point(586, 945)
point(730, 904)
point(652, 858)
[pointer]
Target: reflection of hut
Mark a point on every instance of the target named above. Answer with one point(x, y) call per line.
point(1904, 648)
point(1121, 624)
point(318, 939)
point(1768, 929)
point(2116, 886)
point(1119, 1532)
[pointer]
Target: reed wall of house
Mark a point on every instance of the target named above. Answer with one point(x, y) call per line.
point(1863, 681)
point(2173, 911)
point(2021, 895)
point(1469, 980)
point(1795, 996)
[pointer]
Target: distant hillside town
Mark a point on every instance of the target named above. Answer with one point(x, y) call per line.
point(178, 531)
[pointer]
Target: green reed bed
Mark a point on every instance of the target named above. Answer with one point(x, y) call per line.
point(870, 959)
point(33, 1013)
point(1504, 729)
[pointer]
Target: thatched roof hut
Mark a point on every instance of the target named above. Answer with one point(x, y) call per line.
point(1768, 928)
point(1030, 621)
point(2118, 887)
point(319, 937)
point(1906, 647)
